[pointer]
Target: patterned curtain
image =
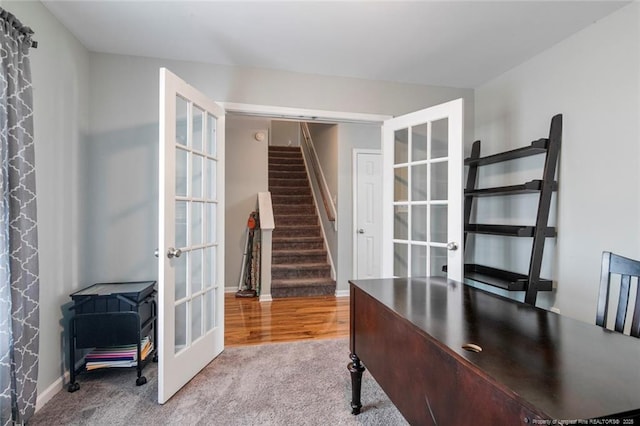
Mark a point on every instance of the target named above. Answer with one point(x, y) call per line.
point(19, 282)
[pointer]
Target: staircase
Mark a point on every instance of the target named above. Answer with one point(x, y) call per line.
point(299, 258)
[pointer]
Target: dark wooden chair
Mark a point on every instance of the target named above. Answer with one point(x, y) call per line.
point(629, 271)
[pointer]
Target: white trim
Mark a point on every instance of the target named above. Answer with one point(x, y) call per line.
point(302, 114)
point(343, 293)
point(354, 208)
point(51, 391)
point(265, 298)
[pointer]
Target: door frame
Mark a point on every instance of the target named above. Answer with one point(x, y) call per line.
point(311, 115)
point(354, 180)
point(302, 114)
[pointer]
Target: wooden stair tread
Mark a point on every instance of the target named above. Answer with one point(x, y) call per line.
point(302, 265)
point(301, 282)
point(304, 252)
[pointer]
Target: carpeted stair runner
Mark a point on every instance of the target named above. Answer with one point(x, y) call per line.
point(299, 260)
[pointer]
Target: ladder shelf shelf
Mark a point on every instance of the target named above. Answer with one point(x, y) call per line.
point(530, 187)
point(539, 146)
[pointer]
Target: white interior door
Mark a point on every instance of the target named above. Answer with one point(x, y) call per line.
point(191, 246)
point(423, 193)
point(367, 207)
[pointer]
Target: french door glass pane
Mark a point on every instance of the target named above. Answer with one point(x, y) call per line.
point(438, 260)
point(181, 275)
point(401, 223)
point(211, 220)
point(419, 223)
point(196, 176)
point(181, 121)
point(209, 266)
point(419, 182)
point(196, 318)
point(210, 179)
point(419, 138)
point(440, 138)
point(210, 312)
point(211, 135)
point(439, 216)
point(196, 270)
point(401, 149)
point(196, 223)
point(180, 327)
point(181, 224)
point(198, 121)
point(439, 177)
point(418, 260)
point(182, 157)
point(401, 184)
point(400, 252)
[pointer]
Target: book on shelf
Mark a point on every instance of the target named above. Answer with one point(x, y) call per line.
point(118, 356)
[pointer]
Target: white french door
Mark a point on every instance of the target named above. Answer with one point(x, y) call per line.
point(191, 236)
point(423, 193)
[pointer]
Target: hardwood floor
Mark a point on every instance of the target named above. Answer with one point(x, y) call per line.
point(248, 321)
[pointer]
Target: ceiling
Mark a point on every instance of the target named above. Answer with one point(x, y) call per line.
point(443, 43)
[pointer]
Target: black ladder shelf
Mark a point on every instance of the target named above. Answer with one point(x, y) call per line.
point(531, 283)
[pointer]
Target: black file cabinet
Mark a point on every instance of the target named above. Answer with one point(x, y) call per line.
point(112, 314)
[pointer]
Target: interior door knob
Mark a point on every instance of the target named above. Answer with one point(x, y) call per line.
point(452, 246)
point(360, 231)
point(173, 252)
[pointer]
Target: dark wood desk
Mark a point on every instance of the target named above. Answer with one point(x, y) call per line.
point(534, 364)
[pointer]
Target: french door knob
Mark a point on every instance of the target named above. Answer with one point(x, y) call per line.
point(452, 246)
point(360, 231)
point(173, 252)
point(156, 253)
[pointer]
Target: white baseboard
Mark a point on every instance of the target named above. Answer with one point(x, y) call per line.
point(342, 293)
point(230, 289)
point(51, 391)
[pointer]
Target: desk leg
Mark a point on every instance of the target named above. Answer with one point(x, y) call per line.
point(73, 385)
point(356, 369)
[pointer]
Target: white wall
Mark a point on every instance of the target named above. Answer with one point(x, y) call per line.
point(60, 76)
point(325, 141)
point(285, 133)
point(593, 78)
point(246, 175)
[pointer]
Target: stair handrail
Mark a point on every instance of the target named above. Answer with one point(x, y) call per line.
point(329, 206)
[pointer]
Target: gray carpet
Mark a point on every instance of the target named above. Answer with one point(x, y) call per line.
point(301, 383)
